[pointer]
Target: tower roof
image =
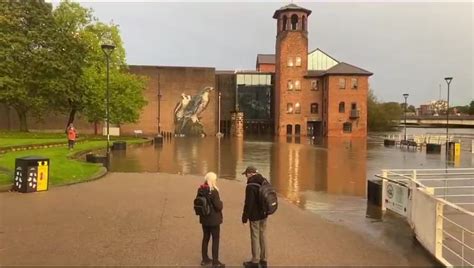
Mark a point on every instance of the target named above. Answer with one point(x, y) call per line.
point(291, 7)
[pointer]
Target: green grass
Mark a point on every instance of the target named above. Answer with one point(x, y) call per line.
point(63, 169)
point(8, 139)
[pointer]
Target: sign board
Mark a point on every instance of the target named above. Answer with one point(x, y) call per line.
point(396, 198)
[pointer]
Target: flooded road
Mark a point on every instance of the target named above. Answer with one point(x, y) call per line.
point(326, 176)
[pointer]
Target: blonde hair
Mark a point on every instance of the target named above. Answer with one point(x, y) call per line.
point(211, 179)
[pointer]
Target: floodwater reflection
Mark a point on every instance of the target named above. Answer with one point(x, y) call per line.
point(334, 166)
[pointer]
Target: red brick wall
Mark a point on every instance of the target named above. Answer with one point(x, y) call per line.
point(291, 44)
point(335, 95)
point(172, 82)
point(266, 68)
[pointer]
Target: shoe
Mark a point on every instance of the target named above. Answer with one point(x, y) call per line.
point(250, 264)
point(206, 262)
point(263, 264)
point(218, 264)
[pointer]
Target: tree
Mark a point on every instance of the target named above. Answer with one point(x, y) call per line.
point(471, 108)
point(70, 21)
point(28, 57)
point(382, 116)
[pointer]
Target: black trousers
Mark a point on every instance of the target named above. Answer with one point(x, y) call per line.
point(207, 232)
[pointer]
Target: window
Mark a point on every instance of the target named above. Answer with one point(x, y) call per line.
point(289, 108)
point(315, 85)
point(353, 106)
point(297, 108)
point(290, 62)
point(297, 129)
point(342, 107)
point(285, 22)
point(342, 83)
point(314, 108)
point(347, 127)
point(294, 22)
point(298, 61)
point(297, 85)
point(289, 130)
point(303, 23)
point(354, 83)
point(290, 85)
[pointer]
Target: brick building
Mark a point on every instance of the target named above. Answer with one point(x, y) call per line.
point(292, 92)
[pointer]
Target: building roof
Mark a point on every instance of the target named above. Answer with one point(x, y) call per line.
point(341, 68)
point(345, 68)
point(290, 7)
point(265, 59)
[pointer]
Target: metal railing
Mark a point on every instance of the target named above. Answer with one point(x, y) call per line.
point(441, 210)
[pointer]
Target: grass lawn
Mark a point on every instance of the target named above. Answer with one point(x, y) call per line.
point(63, 169)
point(29, 138)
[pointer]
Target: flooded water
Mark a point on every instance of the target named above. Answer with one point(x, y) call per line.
point(326, 176)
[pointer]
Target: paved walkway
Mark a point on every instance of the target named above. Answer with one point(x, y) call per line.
point(148, 219)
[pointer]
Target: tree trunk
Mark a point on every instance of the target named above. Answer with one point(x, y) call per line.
point(23, 122)
point(72, 115)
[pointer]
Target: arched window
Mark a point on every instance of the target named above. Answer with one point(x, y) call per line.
point(342, 107)
point(289, 130)
point(314, 108)
point(285, 22)
point(303, 23)
point(297, 108)
point(294, 22)
point(297, 129)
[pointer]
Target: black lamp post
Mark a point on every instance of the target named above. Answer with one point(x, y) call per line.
point(108, 49)
point(405, 115)
point(448, 81)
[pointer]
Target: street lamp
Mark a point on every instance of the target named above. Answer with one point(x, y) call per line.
point(405, 124)
point(448, 81)
point(108, 49)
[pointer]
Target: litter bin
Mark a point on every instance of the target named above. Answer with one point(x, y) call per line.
point(31, 174)
point(432, 148)
point(119, 145)
point(454, 149)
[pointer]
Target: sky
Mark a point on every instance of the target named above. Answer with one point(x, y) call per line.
point(410, 47)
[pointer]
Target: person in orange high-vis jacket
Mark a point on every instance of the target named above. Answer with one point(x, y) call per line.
point(71, 136)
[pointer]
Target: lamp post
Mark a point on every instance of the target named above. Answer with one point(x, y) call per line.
point(108, 49)
point(405, 115)
point(448, 81)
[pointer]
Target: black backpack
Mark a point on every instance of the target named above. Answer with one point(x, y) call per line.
point(267, 197)
point(202, 205)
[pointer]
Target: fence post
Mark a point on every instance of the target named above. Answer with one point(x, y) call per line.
point(439, 231)
point(384, 188)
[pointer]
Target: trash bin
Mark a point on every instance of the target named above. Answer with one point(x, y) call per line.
point(31, 174)
point(454, 149)
point(119, 145)
point(433, 148)
point(388, 142)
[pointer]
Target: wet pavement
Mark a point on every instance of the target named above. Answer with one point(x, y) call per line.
point(147, 219)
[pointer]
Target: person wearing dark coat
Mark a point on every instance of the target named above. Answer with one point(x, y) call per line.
point(254, 213)
point(211, 223)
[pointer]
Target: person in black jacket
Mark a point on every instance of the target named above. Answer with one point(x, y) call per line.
point(254, 213)
point(211, 223)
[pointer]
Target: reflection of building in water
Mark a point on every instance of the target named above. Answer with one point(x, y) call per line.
point(296, 168)
point(346, 166)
